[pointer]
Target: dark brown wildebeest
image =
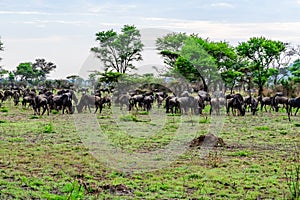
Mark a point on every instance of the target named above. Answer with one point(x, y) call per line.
point(264, 101)
point(216, 104)
point(160, 96)
point(137, 101)
point(280, 100)
point(236, 103)
point(7, 94)
point(85, 102)
point(147, 102)
point(205, 95)
point(172, 104)
point(293, 103)
point(40, 101)
point(122, 100)
point(99, 103)
point(62, 102)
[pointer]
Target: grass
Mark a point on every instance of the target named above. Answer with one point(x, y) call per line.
point(44, 157)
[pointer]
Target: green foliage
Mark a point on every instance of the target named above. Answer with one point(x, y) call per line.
point(73, 190)
point(295, 71)
point(25, 71)
point(1, 48)
point(172, 42)
point(48, 128)
point(262, 128)
point(260, 52)
point(292, 176)
point(34, 72)
point(4, 109)
point(118, 51)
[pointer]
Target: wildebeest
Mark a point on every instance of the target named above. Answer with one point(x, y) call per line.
point(216, 104)
point(172, 104)
point(40, 101)
point(264, 101)
point(280, 100)
point(188, 102)
point(63, 102)
point(160, 96)
point(236, 103)
point(85, 102)
point(147, 102)
point(205, 95)
point(7, 94)
point(136, 101)
point(122, 100)
point(293, 103)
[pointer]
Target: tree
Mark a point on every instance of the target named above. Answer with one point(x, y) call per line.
point(169, 47)
point(1, 48)
point(25, 71)
point(260, 53)
point(118, 51)
point(42, 68)
point(295, 71)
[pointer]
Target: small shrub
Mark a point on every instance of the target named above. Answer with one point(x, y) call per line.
point(292, 175)
point(239, 153)
point(128, 118)
point(34, 117)
point(55, 112)
point(262, 128)
point(204, 121)
point(48, 128)
point(297, 124)
point(4, 109)
point(283, 132)
point(73, 190)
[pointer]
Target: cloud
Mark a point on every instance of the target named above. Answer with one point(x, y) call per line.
point(222, 5)
point(284, 31)
point(5, 12)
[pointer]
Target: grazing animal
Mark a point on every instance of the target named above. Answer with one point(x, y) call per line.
point(172, 104)
point(63, 102)
point(16, 96)
point(205, 95)
point(40, 101)
point(99, 103)
point(136, 101)
point(236, 103)
point(280, 100)
point(148, 101)
point(264, 101)
point(160, 96)
point(216, 104)
point(123, 100)
point(85, 102)
point(293, 103)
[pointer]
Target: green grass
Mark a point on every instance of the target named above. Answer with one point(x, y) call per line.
point(44, 157)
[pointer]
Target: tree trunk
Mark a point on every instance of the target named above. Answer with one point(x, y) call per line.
point(205, 87)
point(260, 91)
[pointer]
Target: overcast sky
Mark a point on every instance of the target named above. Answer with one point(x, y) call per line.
point(64, 31)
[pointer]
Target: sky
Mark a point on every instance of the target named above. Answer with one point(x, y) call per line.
point(63, 31)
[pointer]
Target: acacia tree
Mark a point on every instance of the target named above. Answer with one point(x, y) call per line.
point(118, 51)
point(25, 71)
point(260, 53)
point(2, 71)
point(1, 48)
point(41, 68)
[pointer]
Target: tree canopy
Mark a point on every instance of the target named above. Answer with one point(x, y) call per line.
point(260, 52)
point(118, 51)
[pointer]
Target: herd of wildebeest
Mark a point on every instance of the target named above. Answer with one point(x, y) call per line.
point(66, 101)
